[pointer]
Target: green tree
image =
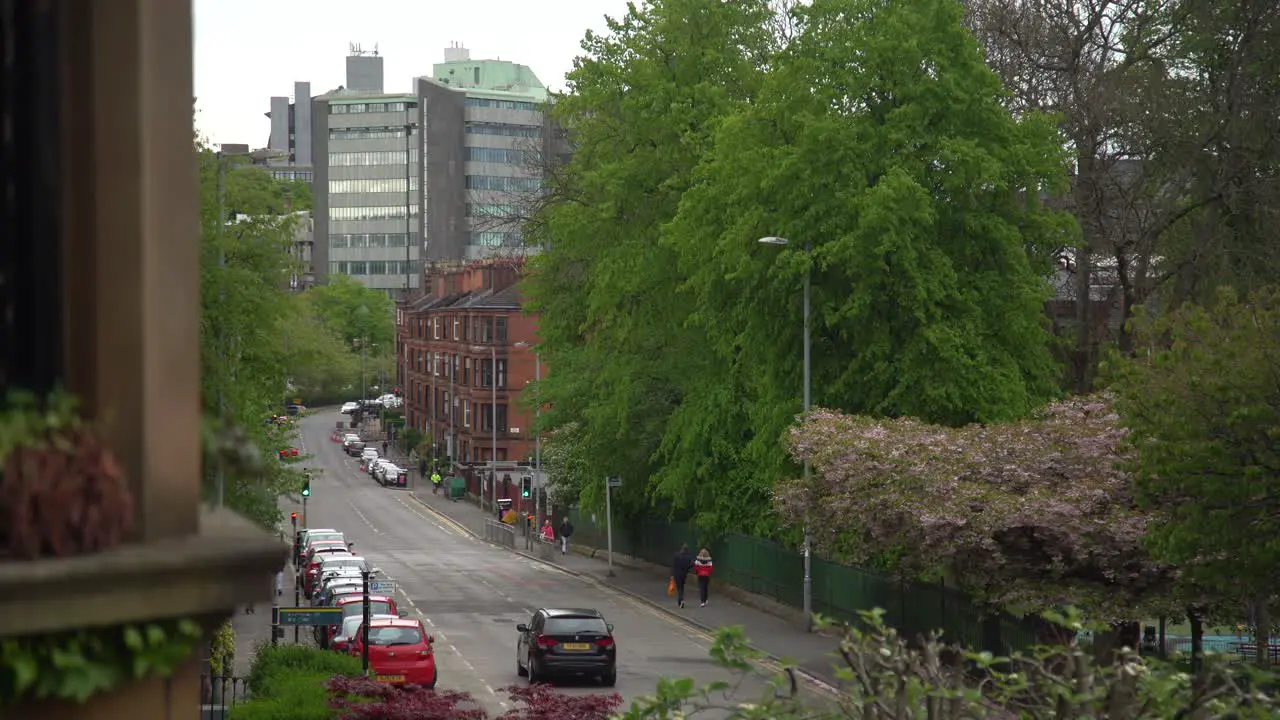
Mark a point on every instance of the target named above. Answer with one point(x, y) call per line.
point(338, 304)
point(322, 367)
point(1201, 400)
point(643, 102)
point(244, 267)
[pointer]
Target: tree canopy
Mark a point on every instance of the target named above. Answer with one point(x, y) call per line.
point(1201, 399)
point(877, 136)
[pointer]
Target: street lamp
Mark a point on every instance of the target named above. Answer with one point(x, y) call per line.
point(362, 313)
point(537, 435)
point(493, 423)
point(808, 536)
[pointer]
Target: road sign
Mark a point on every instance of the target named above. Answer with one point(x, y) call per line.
point(311, 616)
point(615, 482)
point(382, 587)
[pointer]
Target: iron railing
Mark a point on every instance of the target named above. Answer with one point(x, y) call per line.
point(219, 694)
point(500, 533)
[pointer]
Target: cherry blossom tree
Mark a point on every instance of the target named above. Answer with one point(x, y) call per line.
point(1031, 515)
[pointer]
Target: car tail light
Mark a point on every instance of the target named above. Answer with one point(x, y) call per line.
point(425, 653)
point(545, 642)
point(605, 642)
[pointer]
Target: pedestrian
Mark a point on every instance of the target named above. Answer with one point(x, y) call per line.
point(548, 532)
point(435, 483)
point(680, 567)
point(566, 532)
point(384, 448)
point(702, 568)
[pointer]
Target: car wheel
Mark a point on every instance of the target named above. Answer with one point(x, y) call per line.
point(520, 671)
point(532, 672)
point(610, 677)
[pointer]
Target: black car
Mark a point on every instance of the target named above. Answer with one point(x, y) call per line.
point(567, 641)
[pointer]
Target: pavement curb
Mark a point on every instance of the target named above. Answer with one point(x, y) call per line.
point(776, 659)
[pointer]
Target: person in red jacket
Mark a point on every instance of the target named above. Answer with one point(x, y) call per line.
point(702, 568)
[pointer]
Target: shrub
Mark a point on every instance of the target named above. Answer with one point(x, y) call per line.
point(276, 664)
point(359, 698)
point(543, 702)
point(298, 695)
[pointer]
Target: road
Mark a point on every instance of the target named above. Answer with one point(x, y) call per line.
point(471, 595)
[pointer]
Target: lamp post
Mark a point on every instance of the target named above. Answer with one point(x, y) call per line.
point(493, 424)
point(808, 535)
point(537, 435)
point(363, 314)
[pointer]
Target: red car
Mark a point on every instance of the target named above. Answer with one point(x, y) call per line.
point(312, 564)
point(400, 652)
point(289, 452)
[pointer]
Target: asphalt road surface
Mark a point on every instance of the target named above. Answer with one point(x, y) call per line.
point(471, 595)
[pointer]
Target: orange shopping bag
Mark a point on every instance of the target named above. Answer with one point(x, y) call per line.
point(671, 588)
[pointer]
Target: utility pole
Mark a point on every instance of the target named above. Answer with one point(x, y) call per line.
point(537, 442)
point(493, 419)
point(219, 471)
point(408, 222)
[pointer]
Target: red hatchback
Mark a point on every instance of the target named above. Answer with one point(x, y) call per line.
point(400, 652)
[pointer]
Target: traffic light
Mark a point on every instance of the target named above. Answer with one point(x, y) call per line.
point(293, 518)
point(306, 488)
point(526, 486)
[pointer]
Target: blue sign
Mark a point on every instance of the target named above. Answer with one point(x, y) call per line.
point(382, 587)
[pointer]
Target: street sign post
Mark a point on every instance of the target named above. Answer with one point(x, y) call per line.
point(609, 484)
point(310, 616)
point(382, 587)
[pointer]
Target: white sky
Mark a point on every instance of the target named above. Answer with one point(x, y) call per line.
point(248, 50)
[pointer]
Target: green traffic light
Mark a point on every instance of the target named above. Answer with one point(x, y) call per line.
point(525, 493)
point(306, 489)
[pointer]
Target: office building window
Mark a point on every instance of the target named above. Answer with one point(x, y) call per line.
point(490, 211)
point(495, 238)
point(371, 212)
point(503, 184)
point(504, 129)
point(379, 185)
point(480, 102)
point(369, 133)
point(370, 240)
point(374, 157)
point(303, 175)
point(373, 107)
point(503, 156)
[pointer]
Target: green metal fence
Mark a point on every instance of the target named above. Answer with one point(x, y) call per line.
point(769, 569)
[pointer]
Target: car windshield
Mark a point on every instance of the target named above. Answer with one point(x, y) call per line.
point(388, 636)
point(324, 537)
point(376, 607)
point(343, 562)
point(576, 626)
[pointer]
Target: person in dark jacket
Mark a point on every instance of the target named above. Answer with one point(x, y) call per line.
point(566, 532)
point(680, 567)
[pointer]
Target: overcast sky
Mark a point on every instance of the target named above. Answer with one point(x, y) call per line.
point(249, 50)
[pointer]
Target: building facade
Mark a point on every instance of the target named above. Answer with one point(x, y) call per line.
point(463, 343)
point(486, 136)
point(291, 134)
point(367, 189)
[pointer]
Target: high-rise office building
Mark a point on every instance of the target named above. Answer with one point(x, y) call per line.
point(486, 137)
point(291, 134)
point(485, 133)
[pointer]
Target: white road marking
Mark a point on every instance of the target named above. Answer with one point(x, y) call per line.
point(365, 518)
point(424, 517)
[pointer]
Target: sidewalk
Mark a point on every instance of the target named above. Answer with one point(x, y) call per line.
point(775, 636)
point(254, 629)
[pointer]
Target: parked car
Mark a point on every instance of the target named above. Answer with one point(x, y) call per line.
point(349, 407)
point(352, 604)
point(400, 651)
point(367, 456)
point(572, 641)
point(341, 642)
point(289, 452)
point(354, 447)
point(378, 468)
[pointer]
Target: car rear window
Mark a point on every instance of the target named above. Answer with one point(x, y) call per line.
point(575, 626)
point(377, 607)
point(322, 537)
point(395, 636)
